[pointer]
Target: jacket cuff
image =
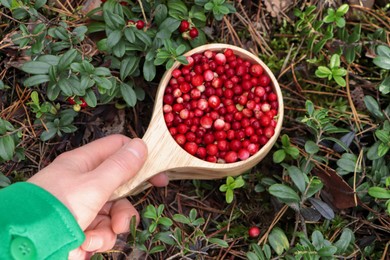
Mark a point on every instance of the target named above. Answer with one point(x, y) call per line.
point(35, 224)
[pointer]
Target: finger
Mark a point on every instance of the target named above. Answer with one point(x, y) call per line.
point(159, 180)
point(121, 166)
point(121, 213)
point(88, 157)
point(101, 238)
point(79, 254)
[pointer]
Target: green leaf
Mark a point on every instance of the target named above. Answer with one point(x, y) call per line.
point(36, 80)
point(156, 249)
point(36, 67)
point(7, 147)
point(279, 156)
point(347, 237)
point(102, 72)
point(382, 62)
point(292, 151)
point(177, 8)
point(340, 22)
point(128, 66)
point(113, 38)
point(384, 86)
point(66, 59)
point(323, 72)
point(343, 9)
point(51, 59)
point(327, 251)
point(90, 98)
point(96, 27)
point(297, 176)
point(347, 162)
point(170, 24)
point(373, 107)
point(383, 50)
point(50, 133)
point(165, 221)
point(311, 147)
point(120, 49)
point(322, 208)
point(379, 192)
point(309, 107)
point(181, 219)
point(143, 37)
point(161, 13)
point(383, 149)
point(112, 20)
point(209, 6)
point(340, 81)
point(4, 181)
point(229, 196)
point(219, 242)
point(180, 50)
point(334, 61)
point(278, 240)
point(102, 82)
point(128, 94)
point(130, 35)
point(149, 70)
point(284, 193)
point(285, 140)
point(383, 136)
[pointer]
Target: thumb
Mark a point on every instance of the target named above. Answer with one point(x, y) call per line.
point(121, 166)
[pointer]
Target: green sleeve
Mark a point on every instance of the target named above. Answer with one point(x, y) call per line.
point(35, 225)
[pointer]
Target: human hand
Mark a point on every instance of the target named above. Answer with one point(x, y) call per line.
point(84, 179)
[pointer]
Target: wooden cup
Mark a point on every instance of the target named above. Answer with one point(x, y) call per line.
point(165, 155)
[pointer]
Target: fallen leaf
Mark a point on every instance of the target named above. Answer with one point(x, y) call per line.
point(275, 7)
point(336, 190)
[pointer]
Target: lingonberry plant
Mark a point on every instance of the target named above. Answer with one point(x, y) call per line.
point(219, 107)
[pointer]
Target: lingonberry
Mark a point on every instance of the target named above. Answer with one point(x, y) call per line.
point(194, 33)
point(83, 104)
point(140, 24)
point(71, 101)
point(220, 107)
point(254, 232)
point(184, 26)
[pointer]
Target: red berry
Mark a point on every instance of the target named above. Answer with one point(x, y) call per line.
point(228, 52)
point(71, 100)
point(254, 232)
point(197, 80)
point(124, 3)
point(140, 24)
point(83, 103)
point(231, 157)
point(194, 33)
point(264, 80)
point(256, 70)
point(184, 26)
point(191, 148)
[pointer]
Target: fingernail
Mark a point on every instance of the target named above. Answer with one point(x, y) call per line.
point(94, 243)
point(137, 147)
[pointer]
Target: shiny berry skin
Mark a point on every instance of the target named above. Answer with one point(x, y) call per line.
point(194, 33)
point(220, 107)
point(140, 24)
point(184, 26)
point(254, 232)
point(71, 101)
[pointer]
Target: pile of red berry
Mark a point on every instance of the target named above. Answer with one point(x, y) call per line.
point(219, 107)
point(187, 31)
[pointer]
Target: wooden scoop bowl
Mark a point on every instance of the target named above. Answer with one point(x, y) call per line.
point(165, 155)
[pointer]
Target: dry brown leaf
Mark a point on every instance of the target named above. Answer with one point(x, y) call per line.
point(275, 7)
point(336, 190)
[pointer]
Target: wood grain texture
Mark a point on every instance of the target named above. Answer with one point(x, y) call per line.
point(165, 155)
